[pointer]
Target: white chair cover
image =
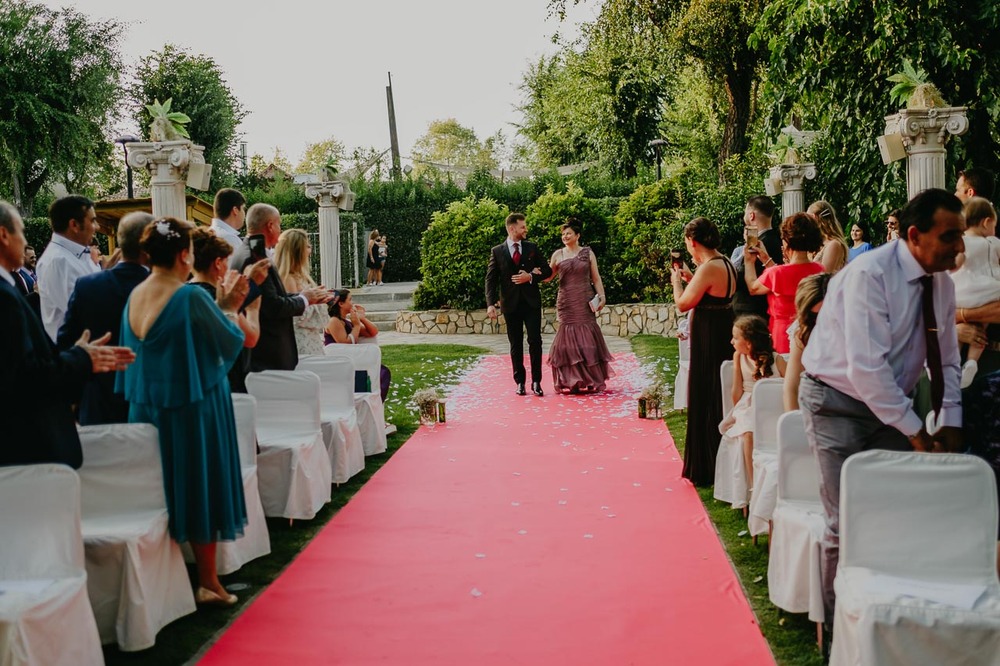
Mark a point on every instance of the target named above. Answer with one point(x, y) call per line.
point(367, 405)
point(683, 367)
point(255, 542)
point(917, 581)
point(293, 466)
point(45, 616)
point(793, 567)
point(730, 472)
point(136, 576)
point(337, 412)
point(768, 404)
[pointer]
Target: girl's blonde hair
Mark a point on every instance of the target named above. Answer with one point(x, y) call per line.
point(977, 210)
point(811, 292)
point(753, 328)
point(290, 255)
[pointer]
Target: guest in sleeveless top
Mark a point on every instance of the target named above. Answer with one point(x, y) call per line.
point(291, 258)
point(348, 325)
point(709, 296)
point(579, 356)
point(833, 254)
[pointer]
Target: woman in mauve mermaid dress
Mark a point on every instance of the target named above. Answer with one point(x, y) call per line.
point(579, 357)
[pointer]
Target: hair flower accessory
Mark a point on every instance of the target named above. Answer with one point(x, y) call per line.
point(163, 227)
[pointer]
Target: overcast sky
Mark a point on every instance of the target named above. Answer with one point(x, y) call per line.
point(307, 71)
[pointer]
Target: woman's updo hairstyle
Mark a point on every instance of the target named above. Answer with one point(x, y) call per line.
point(574, 224)
point(164, 239)
point(207, 248)
point(704, 232)
point(333, 307)
point(801, 232)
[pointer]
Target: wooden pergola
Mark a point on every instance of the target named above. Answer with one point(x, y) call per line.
point(111, 211)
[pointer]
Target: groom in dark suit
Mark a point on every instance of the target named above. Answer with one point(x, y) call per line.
point(512, 276)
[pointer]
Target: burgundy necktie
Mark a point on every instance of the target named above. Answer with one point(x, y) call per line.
point(933, 347)
point(517, 254)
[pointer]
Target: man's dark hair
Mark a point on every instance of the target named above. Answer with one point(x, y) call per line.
point(762, 204)
point(73, 207)
point(513, 219)
point(981, 180)
point(919, 212)
point(226, 200)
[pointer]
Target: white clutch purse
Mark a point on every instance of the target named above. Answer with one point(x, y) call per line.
point(595, 302)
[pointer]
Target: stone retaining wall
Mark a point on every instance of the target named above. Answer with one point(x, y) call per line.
point(620, 320)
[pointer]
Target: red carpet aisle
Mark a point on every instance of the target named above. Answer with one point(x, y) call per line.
point(527, 530)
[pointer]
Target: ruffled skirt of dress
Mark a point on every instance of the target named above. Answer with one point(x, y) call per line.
point(580, 358)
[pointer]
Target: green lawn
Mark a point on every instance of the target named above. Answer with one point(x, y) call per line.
point(791, 636)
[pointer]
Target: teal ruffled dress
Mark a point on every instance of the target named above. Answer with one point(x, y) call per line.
point(178, 383)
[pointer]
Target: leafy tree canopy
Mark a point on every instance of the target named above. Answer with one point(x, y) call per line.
point(322, 154)
point(198, 89)
point(59, 84)
point(447, 143)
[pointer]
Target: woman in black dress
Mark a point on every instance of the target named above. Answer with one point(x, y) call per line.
point(709, 296)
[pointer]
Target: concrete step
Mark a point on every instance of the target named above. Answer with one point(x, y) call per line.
point(384, 306)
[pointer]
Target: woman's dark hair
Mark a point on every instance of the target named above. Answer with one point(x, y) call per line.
point(207, 248)
point(164, 239)
point(704, 232)
point(801, 232)
point(333, 307)
point(574, 224)
point(811, 291)
point(753, 328)
point(895, 212)
point(864, 232)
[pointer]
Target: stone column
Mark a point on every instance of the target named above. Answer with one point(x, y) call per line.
point(332, 196)
point(925, 133)
point(792, 178)
point(168, 163)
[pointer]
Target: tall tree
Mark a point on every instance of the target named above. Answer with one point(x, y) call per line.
point(713, 32)
point(830, 61)
point(59, 85)
point(197, 87)
point(448, 143)
point(321, 154)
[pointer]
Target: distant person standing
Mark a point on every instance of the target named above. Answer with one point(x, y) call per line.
point(757, 216)
point(383, 255)
point(230, 209)
point(66, 258)
point(975, 182)
point(371, 259)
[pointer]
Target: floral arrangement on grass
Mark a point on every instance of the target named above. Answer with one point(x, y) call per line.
point(426, 401)
point(650, 400)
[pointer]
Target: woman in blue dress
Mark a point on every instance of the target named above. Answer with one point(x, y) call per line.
point(185, 343)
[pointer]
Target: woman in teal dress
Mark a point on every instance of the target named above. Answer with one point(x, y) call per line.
point(185, 343)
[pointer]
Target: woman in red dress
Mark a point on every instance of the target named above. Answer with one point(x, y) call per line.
point(800, 235)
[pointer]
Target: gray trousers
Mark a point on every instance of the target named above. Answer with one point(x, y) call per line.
point(837, 427)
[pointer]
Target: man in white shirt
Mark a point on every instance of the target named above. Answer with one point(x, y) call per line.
point(886, 314)
point(66, 257)
point(230, 214)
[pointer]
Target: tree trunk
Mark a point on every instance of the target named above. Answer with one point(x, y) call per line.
point(739, 87)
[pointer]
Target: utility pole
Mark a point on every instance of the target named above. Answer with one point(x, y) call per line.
point(393, 139)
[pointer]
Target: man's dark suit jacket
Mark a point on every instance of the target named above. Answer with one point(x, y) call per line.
point(97, 304)
point(501, 268)
point(276, 348)
point(743, 302)
point(37, 388)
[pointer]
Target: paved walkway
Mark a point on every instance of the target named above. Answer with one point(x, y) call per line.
point(497, 344)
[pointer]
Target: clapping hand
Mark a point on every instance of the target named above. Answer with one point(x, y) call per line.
point(319, 294)
point(102, 357)
point(232, 292)
point(258, 271)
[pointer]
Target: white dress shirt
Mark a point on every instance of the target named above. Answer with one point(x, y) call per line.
point(226, 233)
point(869, 343)
point(520, 246)
point(59, 267)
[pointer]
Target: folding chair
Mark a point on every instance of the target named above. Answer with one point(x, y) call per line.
point(768, 404)
point(337, 413)
point(730, 470)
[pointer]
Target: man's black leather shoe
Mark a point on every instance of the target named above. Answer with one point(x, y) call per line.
point(536, 388)
point(520, 388)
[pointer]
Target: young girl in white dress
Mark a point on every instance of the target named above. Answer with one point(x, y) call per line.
point(754, 359)
point(977, 278)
